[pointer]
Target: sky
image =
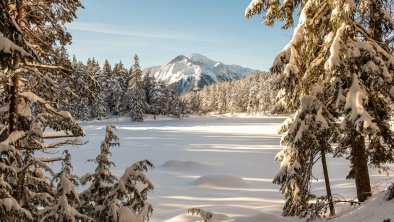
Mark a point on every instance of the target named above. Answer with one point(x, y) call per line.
point(159, 30)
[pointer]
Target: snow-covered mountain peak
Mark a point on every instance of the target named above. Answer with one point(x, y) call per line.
point(198, 58)
point(195, 71)
point(178, 59)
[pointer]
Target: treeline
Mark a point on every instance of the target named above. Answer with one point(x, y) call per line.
point(253, 94)
point(100, 92)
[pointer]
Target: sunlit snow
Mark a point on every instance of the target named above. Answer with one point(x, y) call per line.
point(220, 164)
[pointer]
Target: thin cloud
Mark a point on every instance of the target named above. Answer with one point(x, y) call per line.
point(99, 28)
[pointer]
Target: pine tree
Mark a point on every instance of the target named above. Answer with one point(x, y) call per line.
point(254, 93)
point(121, 76)
point(111, 88)
point(148, 83)
point(103, 101)
point(67, 197)
point(86, 87)
point(363, 63)
point(342, 47)
point(138, 100)
point(101, 181)
point(306, 136)
point(126, 201)
point(10, 210)
point(110, 199)
point(31, 71)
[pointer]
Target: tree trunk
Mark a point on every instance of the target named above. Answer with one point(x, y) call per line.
point(14, 99)
point(13, 96)
point(327, 181)
point(360, 168)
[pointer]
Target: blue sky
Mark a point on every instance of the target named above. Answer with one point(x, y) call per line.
point(159, 30)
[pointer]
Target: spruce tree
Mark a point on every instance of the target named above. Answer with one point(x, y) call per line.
point(85, 89)
point(31, 70)
point(102, 180)
point(343, 48)
point(103, 100)
point(127, 200)
point(307, 137)
point(148, 83)
point(111, 199)
point(137, 100)
point(66, 197)
point(120, 76)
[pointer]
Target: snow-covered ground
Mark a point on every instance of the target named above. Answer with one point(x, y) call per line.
point(221, 164)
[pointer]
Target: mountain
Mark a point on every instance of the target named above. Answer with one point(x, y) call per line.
point(194, 72)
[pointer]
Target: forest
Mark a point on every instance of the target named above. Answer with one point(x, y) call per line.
point(334, 81)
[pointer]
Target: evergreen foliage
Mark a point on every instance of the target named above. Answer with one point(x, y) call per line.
point(102, 180)
point(99, 93)
point(341, 50)
point(112, 199)
point(67, 197)
point(251, 94)
point(36, 81)
point(307, 137)
point(31, 73)
point(137, 101)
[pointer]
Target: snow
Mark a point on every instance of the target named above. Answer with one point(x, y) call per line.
point(16, 135)
point(334, 60)
point(11, 204)
point(24, 109)
point(181, 164)
point(355, 99)
point(377, 208)
point(392, 91)
point(7, 46)
point(252, 5)
point(196, 70)
point(4, 148)
point(127, 215)
point(217, 181)
point(215, 148)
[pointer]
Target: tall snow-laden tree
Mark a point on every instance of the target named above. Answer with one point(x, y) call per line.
point(101, 181)
point(362, 61)
point(120, 75)
point(102, 107)
point(148, 83)
point(344, 47)
point(85, 88)
point(158, 99)
point(307, 137)
point(64, 209)
point(33, 62)
point(137, 100)
point(111, 89)
point(111, 199)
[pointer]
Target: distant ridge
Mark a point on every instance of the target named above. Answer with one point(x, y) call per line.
point(185, 73)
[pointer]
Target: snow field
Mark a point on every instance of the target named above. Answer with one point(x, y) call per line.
point(221, 164)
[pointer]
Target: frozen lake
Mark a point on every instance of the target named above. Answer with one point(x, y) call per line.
point(221, 164)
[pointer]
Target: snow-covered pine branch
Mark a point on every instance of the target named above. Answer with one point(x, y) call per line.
point(64, 208)
point(206, 216)
point(128, 198)
point(344, 48)
point(102, 180)
point(111, 199)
